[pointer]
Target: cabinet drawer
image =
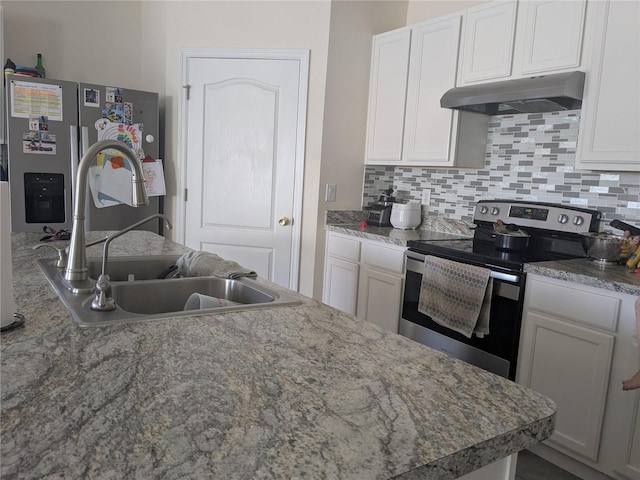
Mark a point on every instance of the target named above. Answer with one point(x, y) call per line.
point(587, 307)
point(343, 247)
point(383, 257)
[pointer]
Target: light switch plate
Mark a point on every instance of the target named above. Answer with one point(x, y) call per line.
point(330, 195)
point(426, 197)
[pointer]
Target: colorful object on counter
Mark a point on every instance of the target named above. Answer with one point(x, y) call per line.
point(26, 71)
point(363, 224)
point(630, 250)
point(634, 259)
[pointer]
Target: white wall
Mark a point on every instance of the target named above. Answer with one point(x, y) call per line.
point(80, 41)
point(420, 10)
point(345, 110)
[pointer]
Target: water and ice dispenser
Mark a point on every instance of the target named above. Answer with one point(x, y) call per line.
point(44, 198)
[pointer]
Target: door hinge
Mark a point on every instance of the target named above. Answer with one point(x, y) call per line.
point(188, 88)
point(186, 191)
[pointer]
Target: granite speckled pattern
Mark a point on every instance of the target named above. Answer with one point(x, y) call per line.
point(389, 235)
point(617, 278)
point(293, 392)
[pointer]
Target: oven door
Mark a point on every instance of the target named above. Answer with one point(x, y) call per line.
point(497, 352)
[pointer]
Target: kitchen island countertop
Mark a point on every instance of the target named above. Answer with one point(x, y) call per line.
point(293, 392)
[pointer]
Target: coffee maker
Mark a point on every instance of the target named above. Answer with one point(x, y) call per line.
point(379, 213)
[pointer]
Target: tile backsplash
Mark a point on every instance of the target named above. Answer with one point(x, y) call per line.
point(528, 157)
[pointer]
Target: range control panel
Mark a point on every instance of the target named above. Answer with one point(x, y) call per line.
point(548, 216)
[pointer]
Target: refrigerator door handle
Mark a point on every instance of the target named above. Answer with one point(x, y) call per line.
point(84, 139)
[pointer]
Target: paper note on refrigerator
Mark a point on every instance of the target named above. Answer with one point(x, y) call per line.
point(110, 184)
point(154, 178)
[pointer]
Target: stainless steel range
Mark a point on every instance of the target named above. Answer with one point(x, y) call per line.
point(508, 234)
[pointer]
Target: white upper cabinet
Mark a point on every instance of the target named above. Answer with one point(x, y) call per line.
point(507, 40)
point(549, 36)
point(432, 71)
point(387, 95)
point(405, 124)
point(488, 42)
point(609, 131)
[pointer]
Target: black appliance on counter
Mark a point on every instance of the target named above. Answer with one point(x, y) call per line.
point(379, 213)
point(554, 234)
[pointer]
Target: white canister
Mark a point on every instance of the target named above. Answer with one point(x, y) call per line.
point(406, 216)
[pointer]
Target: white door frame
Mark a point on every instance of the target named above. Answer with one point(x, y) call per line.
point(302, 55)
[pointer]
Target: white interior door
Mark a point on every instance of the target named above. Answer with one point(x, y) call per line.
point(244, 129)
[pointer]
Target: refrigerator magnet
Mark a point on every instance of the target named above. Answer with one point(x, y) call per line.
point(91, 97)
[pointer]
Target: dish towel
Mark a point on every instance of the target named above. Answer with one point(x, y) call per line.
point(456, 295)
point(205, 264)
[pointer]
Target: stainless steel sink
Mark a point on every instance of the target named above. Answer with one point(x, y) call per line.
point(123, 269)
point(144, 299)
point(159, 296)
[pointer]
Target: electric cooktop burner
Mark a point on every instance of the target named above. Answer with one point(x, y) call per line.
point(555, 234)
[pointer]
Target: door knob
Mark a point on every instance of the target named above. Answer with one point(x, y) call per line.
point(283, 221)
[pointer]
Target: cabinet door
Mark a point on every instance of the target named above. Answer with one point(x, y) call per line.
point(387, 94)
point(570, 364)
point(549, 35)
point(341, 284)
point(631, 463)
point(609, 138)
point(432, 71)
point(379, 298)
point(488, 42)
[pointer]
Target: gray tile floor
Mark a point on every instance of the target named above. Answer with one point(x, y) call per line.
point(532, 467)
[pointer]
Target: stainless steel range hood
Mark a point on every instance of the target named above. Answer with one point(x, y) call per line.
point(547, 93)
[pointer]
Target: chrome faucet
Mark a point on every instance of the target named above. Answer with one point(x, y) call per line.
point(103, 300)
point(76, 276)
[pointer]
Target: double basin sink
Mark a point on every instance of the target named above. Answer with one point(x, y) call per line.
point(141, 291)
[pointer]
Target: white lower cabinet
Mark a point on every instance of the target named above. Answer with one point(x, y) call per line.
point(570, 364)
point(341, 271)
point(341, 284)
point(364, 280)
point(576, 347)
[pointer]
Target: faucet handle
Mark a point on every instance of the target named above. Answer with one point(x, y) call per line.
point(61, 261)
point(103, 301)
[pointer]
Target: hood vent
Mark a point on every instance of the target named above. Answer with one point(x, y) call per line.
point(547, 93)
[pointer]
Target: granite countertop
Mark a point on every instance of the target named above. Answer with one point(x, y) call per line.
point(393, 235)
point(303, 391)
point(610, 276)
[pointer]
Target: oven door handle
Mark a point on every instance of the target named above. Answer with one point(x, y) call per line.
point(504, 276)
point(419, 257)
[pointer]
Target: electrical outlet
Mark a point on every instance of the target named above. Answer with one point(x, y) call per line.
point(330, 194)
point(426, 197)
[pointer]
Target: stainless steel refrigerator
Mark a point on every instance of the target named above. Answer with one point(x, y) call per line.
point(50, 124)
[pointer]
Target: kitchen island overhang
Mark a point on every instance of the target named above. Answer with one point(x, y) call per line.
point(292, 392)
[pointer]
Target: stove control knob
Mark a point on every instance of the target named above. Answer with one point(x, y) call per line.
point(495, 210)
point(484, 209)
point(578, 220)
point(562, 218)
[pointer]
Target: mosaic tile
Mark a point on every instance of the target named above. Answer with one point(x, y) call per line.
point(528, 157)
